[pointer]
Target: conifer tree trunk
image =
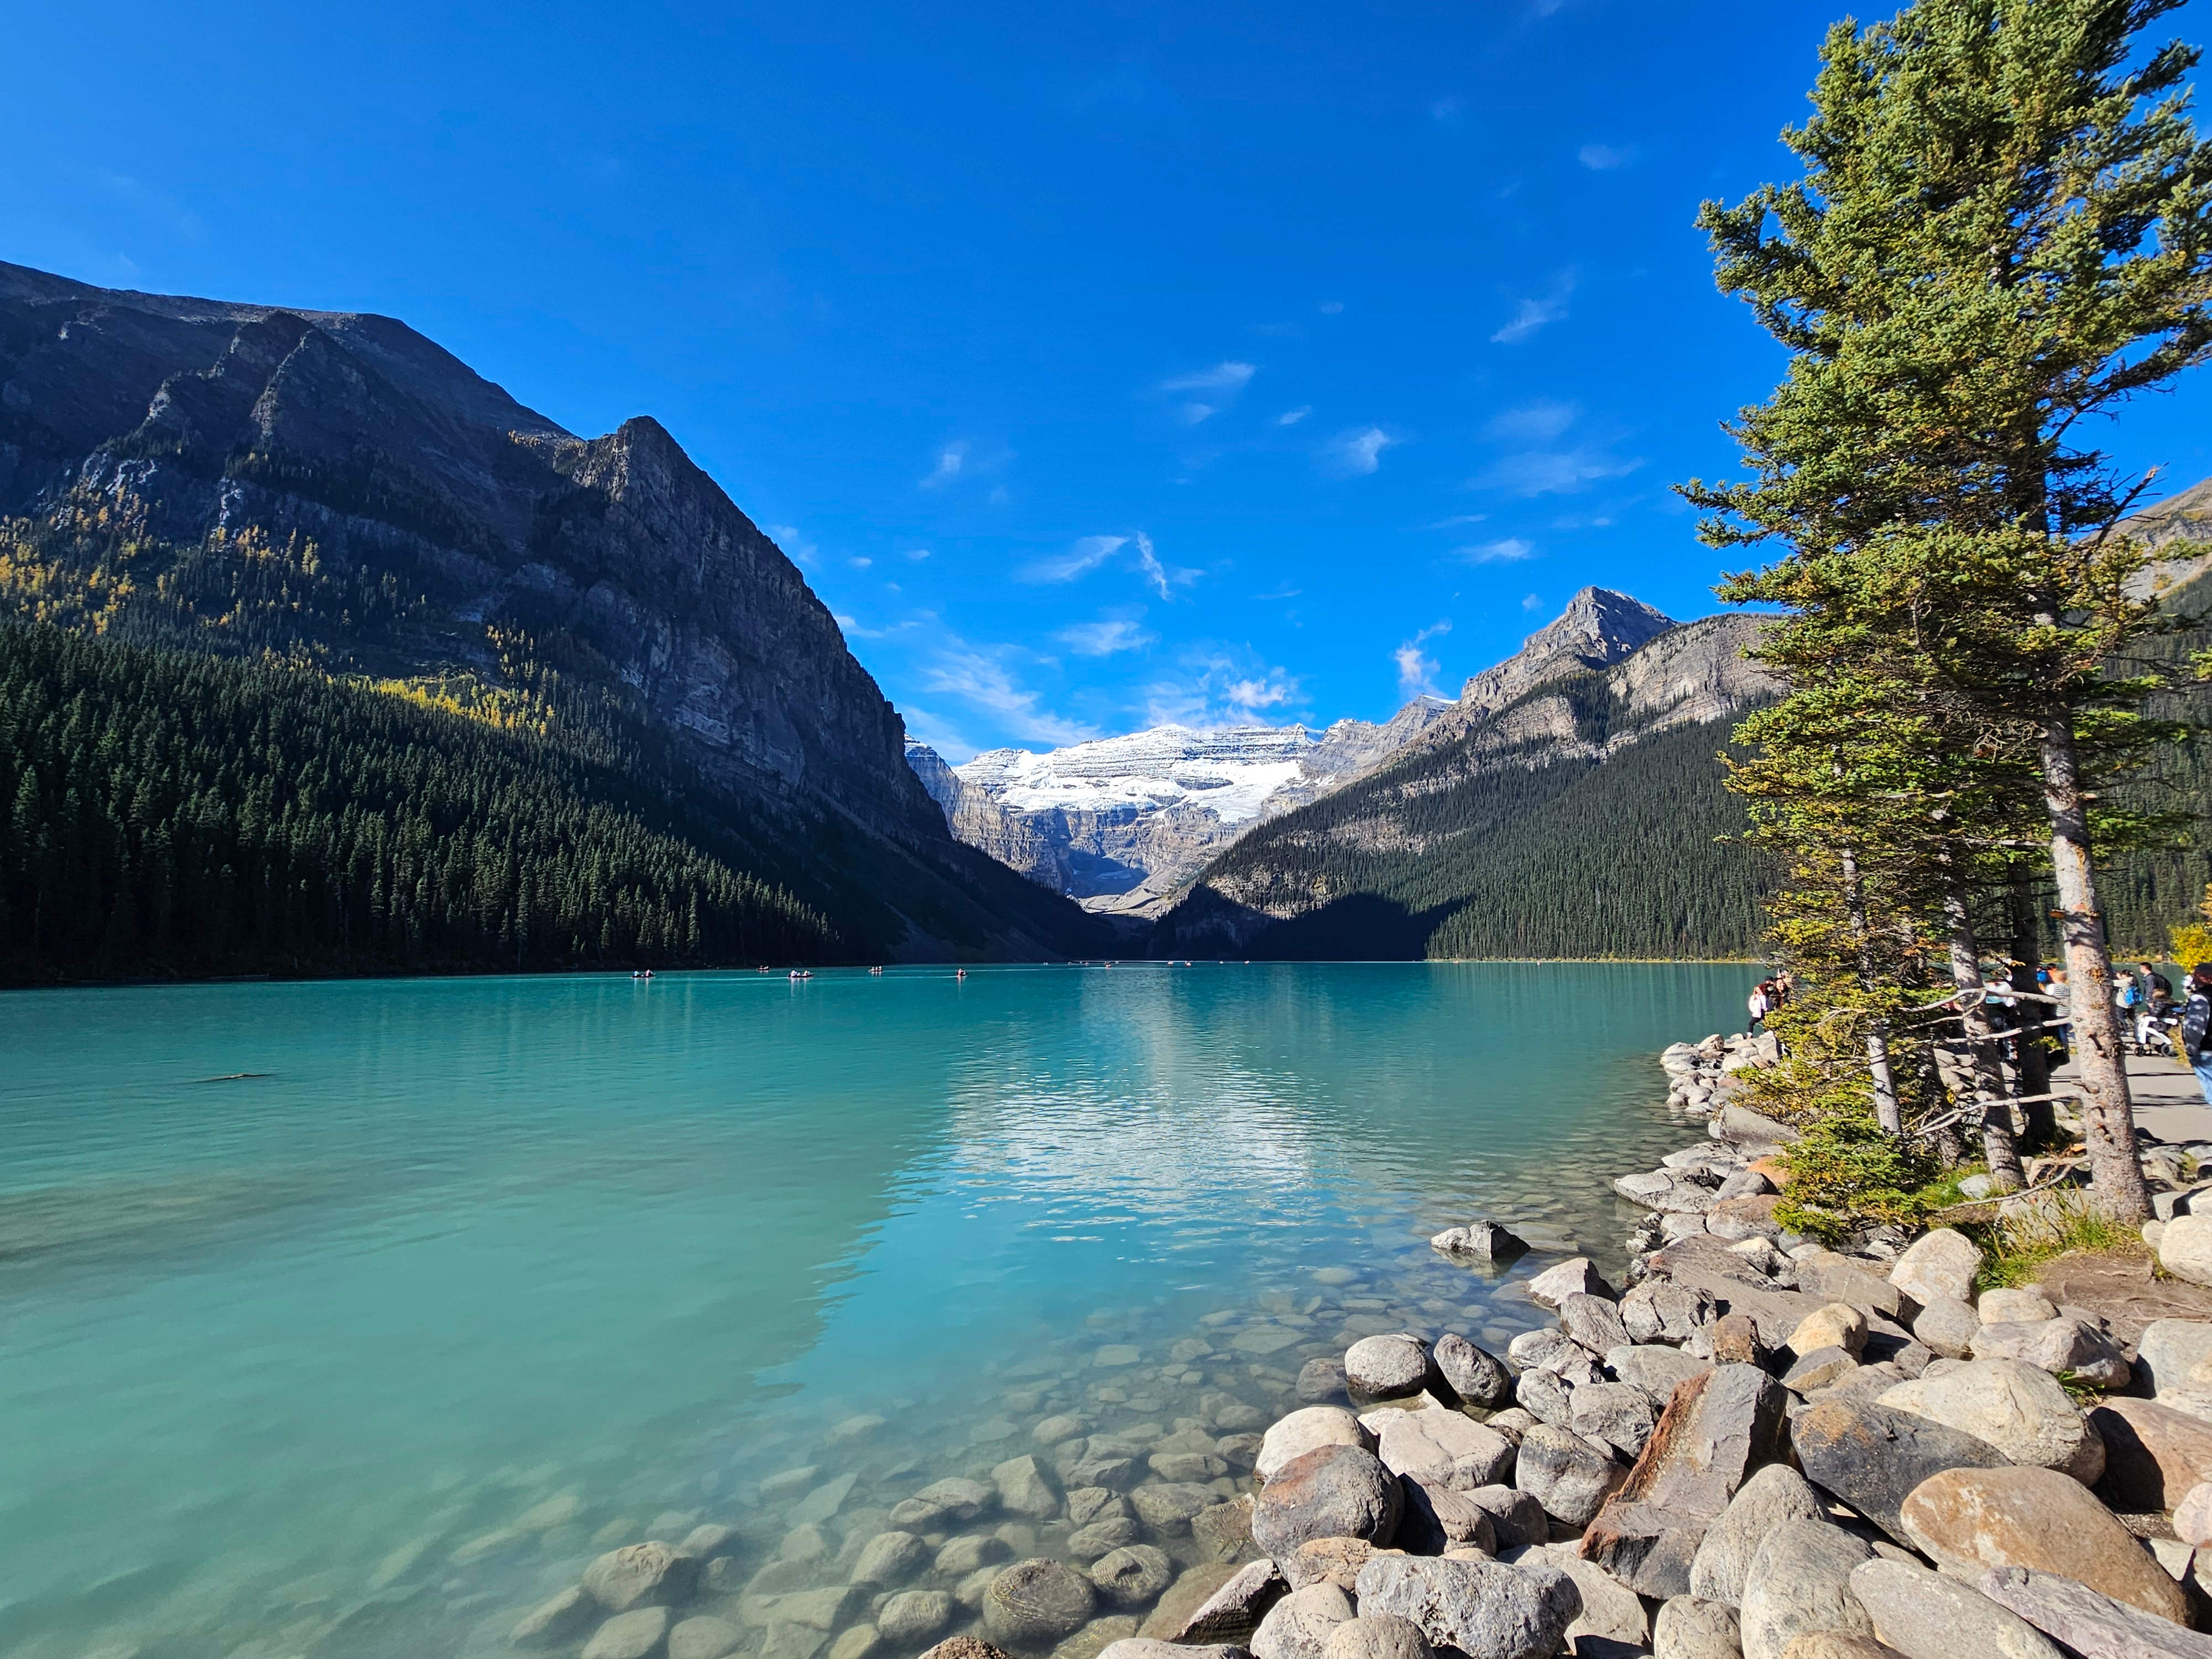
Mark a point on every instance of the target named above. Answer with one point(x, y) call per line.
point(2005, 1172)
point(2107, 1111)
point(2042, 1123)
point(1886, 1110)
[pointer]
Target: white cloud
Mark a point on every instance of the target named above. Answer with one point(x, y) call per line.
point(1330, 307)
point(787, 537)
point(1092, 551)
point(1230, 378)
point(1193, 413)
point(1086, 556)
point(1531, 603)
point(1554, 472)
point(860, 563)
point(1537, 313)
point(952, 745)
point(1457, 520)
point(981, 680)
point(1603, 158)
point(1537, 423)
point(1292, 416)
point(1511, 550)
point(1417, 671)
point(1106, 637)
point(1223, 686)
point(917, 554)
point(1357, 452)
point(950, 461)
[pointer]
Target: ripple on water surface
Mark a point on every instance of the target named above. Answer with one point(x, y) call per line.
point(358, 1318)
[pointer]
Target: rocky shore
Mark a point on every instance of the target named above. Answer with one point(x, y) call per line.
point(1756, 1446)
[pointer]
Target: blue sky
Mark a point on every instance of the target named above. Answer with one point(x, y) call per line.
point(1101, 365)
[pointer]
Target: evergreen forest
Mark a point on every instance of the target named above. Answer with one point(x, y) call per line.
point(173, 813)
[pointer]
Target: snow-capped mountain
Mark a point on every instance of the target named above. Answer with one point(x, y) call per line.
point(1120, 824)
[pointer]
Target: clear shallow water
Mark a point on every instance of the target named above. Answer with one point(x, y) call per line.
point(284, 1358)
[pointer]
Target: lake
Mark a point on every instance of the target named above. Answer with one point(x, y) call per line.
point(356, 1318)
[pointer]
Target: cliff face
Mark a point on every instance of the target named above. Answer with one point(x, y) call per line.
point(338, 488)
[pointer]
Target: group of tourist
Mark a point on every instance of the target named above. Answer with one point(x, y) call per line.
point(2158, 1021)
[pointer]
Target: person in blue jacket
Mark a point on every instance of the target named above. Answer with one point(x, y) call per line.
point(2196, 1026)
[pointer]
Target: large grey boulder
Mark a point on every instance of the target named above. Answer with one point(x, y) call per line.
point(1516, 1517)
point(1337, 1560)
point(2057, 1345)
point(1834, 1277)
point(1617, 1414)
point(2092, 1625)
point(1775, 1494)
point(1556, 1353)
point(1656, 1368)
point(1299, 1625)
point(1434, 1519)
point(1800, 1581)
point(1939, 1263)
point(1133, 1576)
point(1968, 1521)
point(1443, 1447)
point(1706, 1266)
point(1567, 1474)
point(913, 1616)
point(1924, 1615)
point(1321, 1383)
point(2020, 1409)
point(1482, 1608)
point(1613, 1620)
point(1947, 1326)
point(1872, 1456)
point(1688, 1628)
point(1035, 1603)
point(1384, 1367)
point(2184, 1249)
point(1554, 1285)
point(1025, 1489)
point(642, 1575)
point(631, 1635)
point(1232, 1613)
point(1716, 1430)
point(1383, 1636)
point(1486, 1241)
point(1661, 1311)
point(2152, 1453)
point(1474, 1374)
point(1547, 1397)
point(2175, 1359)
point(1592, 1321)
point(1308, 1430)
point(891, 1558)
point(1167, 1507)
point(1333, 1492)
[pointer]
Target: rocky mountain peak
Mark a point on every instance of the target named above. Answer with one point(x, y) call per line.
point(1598, 629)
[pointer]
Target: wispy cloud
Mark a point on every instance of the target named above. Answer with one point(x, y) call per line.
point(951, 744)
point(1086, 556)
point(1537, 423)
point(1510, 550)
point(1445, 112)
point(1458, 520)
point(1554, 472)
point(1416, 670)
point(1092, 551)
point(860, 563)
point(1223, 686)
point(1222, 377)
point(1292, 416)
point(981, 678)
point(1531, 603)
point(950, 460)
point(1105, 638)
point(1603, 158)
point(1536, 313)
point(917, 554)
point(1330, 307)
point(1358, 452)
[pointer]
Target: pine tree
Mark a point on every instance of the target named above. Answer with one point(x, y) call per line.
point(2002, 229)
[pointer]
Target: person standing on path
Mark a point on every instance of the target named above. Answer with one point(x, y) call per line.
point(2195, 1024)
point(1758, 1006)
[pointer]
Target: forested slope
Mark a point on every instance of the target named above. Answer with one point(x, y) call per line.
point(173, 813)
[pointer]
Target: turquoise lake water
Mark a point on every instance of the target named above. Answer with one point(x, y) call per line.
point(371, 1349)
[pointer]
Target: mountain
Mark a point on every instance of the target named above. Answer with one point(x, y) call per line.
point(1569, 807)
point(1121, 821)
point(336, 492)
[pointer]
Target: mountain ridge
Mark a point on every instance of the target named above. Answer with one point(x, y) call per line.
point(334, 488)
